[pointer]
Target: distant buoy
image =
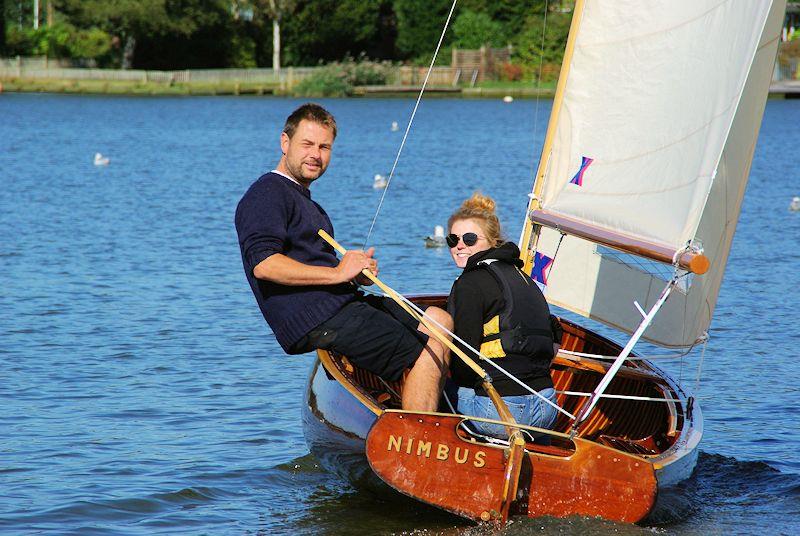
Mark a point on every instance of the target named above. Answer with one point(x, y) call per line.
point(100, 160)
point(508, 98)
point(395, 126)
point(794, 206)
point(379, 182)
point(437, 240)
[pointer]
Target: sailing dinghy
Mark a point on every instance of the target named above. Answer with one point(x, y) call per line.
point(630, 222)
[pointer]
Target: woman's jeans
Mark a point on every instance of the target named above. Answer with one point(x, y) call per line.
point(526, 409)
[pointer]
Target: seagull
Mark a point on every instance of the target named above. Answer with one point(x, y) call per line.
point(395, 126)
point(437, 240)
point(100, 160)
point(794, 206)
point(380, 182)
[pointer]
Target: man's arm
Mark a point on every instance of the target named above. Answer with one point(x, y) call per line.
point(279, 268)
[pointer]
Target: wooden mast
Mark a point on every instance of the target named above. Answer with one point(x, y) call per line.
point(544, 160)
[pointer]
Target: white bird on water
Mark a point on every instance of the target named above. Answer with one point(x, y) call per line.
point(794, 206)
point(437, 240)
point(100, 160)
point(508, 98)
point(379, 182)
point(395, 126)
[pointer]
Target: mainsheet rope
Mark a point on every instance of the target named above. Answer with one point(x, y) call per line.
point(484, 358)
point(410, 122)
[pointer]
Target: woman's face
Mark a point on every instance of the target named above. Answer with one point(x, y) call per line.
point(462, 252)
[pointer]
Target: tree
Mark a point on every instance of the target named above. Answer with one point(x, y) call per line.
point(474, 30)
point(326, 30)
point(510, 14)
point(531, 50)
point(2, 28)
point(131, 20)
point(200, 34)
point(277, 10)
point(259, 11)
point(419, 25)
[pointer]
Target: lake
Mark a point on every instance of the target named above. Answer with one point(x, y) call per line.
point(142, 393)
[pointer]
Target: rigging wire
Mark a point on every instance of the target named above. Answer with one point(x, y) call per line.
point(484, 358)
point(704, 338)
point(538, 88)
point(410, 122)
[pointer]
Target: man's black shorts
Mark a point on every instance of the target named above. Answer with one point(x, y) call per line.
point(374, 333)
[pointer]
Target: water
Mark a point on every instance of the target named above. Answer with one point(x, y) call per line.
point(141, 392)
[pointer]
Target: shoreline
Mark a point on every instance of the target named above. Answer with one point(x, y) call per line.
point(779, 90)
point(126, 88)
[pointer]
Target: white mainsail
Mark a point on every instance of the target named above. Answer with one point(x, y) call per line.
point(654, 138)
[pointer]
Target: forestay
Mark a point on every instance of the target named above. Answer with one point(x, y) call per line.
point(653, 138)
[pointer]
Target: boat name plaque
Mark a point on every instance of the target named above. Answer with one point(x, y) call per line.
point(441, 451)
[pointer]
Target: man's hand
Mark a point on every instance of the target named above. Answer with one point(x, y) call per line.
point(353, 262)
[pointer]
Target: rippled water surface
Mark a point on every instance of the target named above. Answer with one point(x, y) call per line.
point(141, 392)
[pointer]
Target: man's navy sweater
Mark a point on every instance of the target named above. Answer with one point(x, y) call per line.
point(277, 215)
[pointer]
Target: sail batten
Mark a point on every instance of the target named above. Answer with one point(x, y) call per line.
point(660, 113)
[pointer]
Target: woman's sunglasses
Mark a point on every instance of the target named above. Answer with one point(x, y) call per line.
point(470, 239)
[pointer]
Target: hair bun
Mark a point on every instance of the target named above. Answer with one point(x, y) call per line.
point(479, 202)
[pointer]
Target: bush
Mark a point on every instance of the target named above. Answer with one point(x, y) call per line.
point(339, 79)
point(511, 72)
point(89, 44)
point(366, 73)
point(328, 81)
point(18, 42)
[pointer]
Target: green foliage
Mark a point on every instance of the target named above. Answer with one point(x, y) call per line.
point(18, 42)
point(419, 25)
point(45, 41)
point(329, 30)
point(339, 79)
point(243, 52)
point(2, 28)
point(473, 30)
point(178, 34)
point(528, 49)
point(93, 43)
point(329, 81)
point(509, 14)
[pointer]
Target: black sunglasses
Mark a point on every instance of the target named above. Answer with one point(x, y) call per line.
point(470, 239)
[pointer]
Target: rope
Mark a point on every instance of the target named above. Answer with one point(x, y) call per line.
point(410, 122)
point(484, 358)
point(622, 397)
point(704, 338)
point(634, 358)
point(538, 87)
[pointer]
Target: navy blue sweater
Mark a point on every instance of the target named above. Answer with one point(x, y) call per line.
point(277, 215)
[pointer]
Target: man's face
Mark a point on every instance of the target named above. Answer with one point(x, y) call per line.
point(308, 152)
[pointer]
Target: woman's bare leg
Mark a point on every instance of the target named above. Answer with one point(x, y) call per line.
point(423, 386)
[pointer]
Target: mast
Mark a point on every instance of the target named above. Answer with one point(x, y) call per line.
point(534, 204)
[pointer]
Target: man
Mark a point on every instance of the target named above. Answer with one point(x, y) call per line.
point(307, 296)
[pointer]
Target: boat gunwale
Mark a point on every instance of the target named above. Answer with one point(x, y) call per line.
point(688, 435)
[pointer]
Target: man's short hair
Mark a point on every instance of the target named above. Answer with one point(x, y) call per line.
point(312, 112)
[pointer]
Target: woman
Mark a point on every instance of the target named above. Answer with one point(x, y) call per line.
point(499, 310)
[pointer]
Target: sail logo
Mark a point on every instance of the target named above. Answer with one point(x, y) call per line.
point(541, 264)
point(440, 451)
point(578, 178)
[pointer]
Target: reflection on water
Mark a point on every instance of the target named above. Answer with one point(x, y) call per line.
point(141, 391)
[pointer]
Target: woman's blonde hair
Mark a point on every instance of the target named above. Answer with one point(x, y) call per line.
point(480, 208)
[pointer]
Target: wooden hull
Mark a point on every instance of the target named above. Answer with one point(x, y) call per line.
point(425, 456)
